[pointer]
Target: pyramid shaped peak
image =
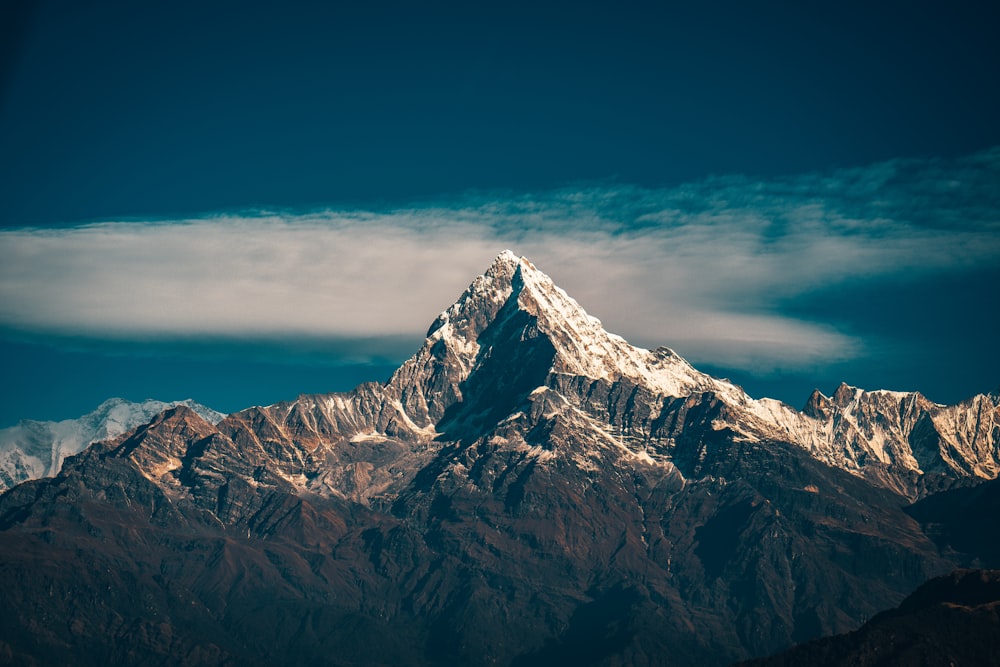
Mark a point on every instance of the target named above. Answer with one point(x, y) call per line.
point(514, 277)
point(505, 277)
point(511, 288)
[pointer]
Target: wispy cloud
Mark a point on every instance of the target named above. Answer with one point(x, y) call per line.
point(707, 268)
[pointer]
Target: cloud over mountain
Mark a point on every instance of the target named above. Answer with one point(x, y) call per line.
point(710, 268)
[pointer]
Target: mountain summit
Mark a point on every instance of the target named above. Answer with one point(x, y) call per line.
point(514, 298)
point(514, 342)
point(526, 489)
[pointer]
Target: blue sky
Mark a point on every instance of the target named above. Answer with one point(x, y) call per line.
point(238, 203)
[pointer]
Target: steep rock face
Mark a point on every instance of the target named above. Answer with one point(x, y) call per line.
point(968, 435)
point(526, 489)
point(34, 449)
point(904, 441)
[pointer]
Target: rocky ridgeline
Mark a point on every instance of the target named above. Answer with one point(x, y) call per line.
point(34, 449)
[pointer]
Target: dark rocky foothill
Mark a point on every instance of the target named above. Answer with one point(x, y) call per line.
point(951, 620)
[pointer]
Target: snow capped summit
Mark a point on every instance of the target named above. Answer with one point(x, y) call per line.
point(513, 286)
point(515, 354)
point(516, 347)
point(881, 434)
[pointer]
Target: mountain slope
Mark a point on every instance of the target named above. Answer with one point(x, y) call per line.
point(964, 520)
point(34, 449)
point(526, 489)
point(489, 552)
point(952, 620)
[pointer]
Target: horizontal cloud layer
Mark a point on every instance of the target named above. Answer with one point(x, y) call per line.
point(708, 268)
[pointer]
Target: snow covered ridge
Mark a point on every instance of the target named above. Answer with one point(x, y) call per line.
point(856, 429)
point(34, 449)
point(877, 430)
point(515, 352)
point(513, 330)
point(876, 434)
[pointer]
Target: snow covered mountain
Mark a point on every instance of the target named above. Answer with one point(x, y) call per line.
point(34, 449)
point(905, 442)
point(526, 489)
point(564, 360)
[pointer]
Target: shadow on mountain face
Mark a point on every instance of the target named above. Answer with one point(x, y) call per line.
point(952, 620)
point(965, 520)
point(597, 630)
point(514, 359)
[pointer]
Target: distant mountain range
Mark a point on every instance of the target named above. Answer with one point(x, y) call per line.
point(526, 489)
point(34, 449)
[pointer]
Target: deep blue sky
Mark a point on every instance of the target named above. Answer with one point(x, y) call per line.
point(149, 111)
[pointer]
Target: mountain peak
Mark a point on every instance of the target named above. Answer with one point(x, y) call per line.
point(844, 394)
point(508, 259)
point(504, 267)
point(513, 291)
point(513, 340)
